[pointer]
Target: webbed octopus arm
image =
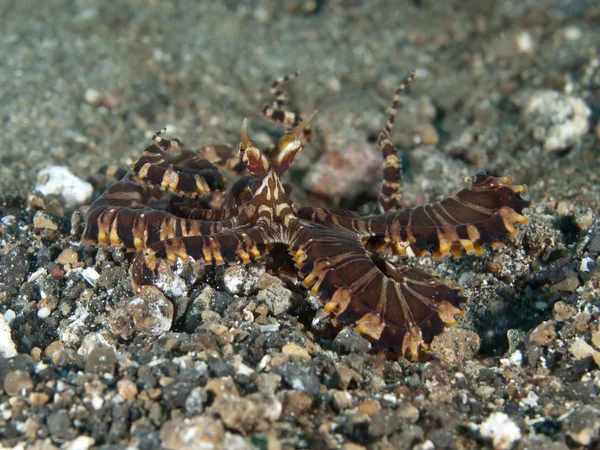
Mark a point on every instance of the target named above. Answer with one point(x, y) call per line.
point(397, 308)
point(484, 213)
point(124, 215)
point(227, 247)
point(167, 166)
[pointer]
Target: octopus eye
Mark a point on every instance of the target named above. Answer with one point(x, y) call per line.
point(245, 142)
point(252, 155)
point(289, 143)
point(304, 124)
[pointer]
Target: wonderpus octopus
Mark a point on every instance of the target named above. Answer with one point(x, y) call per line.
point(173, 203)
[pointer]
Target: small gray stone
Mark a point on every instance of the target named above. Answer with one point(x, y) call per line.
point(14, 267)
point(111, 277)
point(17, 381)
point(220, 368)
point(516, 339)
point(442, 439)
point(59, 426)
point(120, 422)
point(350, 341)
point(384, 423)
point(67, 358)
point(193, 315)
point(220, 301)
point(407, 437)
point(301, 377)
point(582, 425)
point(156, 414)
point(321, 322)
point(594, 247)
point(180, 306)
point(541, 442)
point(195, 402)
point(101, 360)
point(175, 394)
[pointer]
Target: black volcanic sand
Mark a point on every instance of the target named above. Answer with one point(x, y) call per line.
point(235, 357)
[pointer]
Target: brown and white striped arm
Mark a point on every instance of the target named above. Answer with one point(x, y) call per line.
point(390, 197)
point(484, 213)
point(224, 157)
point(276, 110)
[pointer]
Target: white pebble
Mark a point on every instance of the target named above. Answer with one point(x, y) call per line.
point(91, 341)
point(270, 328)
point(501, 430)
point(90, 275)
point(8, 220)
point(35, 275)
point(9, 316)
point(233, 284)
point(525, 42)
point(516, 359)
point(572, 33)
point(43, 312)
point(583, 267)
point(171, 284)
point(7, 346)
point(265, 360)
point(243, 369)
point(97, 401)
point(92, 96)
point(80, 443)
point(425, 445)
point(531, 400)
point(558, 120)
point(58, 180)
point(390, 398)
